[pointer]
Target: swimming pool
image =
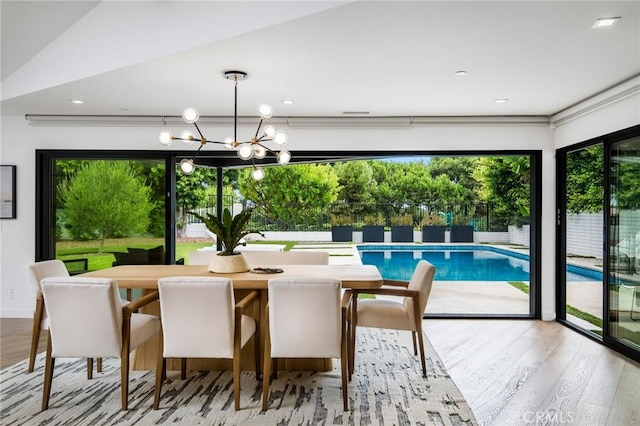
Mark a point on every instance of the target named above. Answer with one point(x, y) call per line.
point(456, 262)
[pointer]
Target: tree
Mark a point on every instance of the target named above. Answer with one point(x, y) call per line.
point(585, 180)
point(191, 192)
point(357, 188)
point(505, 183)
point(291, 194)
point(625, 176)
point(105, 199)
point(152, 173)
point(356, 182)
point(458, 170)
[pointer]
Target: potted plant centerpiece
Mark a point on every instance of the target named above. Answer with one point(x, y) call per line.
point(230, 231)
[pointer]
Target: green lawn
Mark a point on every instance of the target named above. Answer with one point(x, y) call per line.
point(571, 310)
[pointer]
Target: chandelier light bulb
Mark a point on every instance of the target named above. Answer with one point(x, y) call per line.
point(187, 166)
point(265, 111)
point(190, 115)
point(228, 143)
point(259, 152)
point(280, 138)
point(187, 136)
point(245, 151)
point(284, 157)
point(257, 173)
point(270, 131)
point(165, 138)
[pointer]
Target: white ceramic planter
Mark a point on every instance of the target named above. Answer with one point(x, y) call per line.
point(229, 264)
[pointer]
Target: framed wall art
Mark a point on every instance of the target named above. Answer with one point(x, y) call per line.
point(7, 192)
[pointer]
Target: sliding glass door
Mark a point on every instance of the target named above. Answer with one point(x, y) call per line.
point(624, 243)
point(598, 198)
point(584, 218)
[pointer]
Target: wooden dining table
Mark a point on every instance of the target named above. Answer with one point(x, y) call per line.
point(146, 277)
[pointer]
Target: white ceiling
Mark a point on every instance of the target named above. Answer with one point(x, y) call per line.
point(387, 58)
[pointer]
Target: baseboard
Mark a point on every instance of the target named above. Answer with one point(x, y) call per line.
point(548, 316)
point(13, 313)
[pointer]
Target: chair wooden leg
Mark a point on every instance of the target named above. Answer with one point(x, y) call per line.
point(256, 343)
point(236, 376)
point(35, 334)
point(344, 361)
point(99, 365)
point(266, 372)
point(415, 347)
point(89, 368)
point(124, 375)
point(348, 337)
point(422, 360)
point(48, 376)
point(354, 329)
point(161, 369)
point(183, 368)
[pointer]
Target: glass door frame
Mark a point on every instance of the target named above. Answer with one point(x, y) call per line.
point(45, 194)
point(45, 216)
point(561, 208)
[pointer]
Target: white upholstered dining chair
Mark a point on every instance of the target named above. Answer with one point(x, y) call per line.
point(36, 272)
point(200, 319)
point(200, 257)
point(87, 320)
point(257, 258)
point(398, 315)
point(306, 318)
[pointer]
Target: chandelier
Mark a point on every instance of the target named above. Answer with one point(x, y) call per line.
point(254, 148)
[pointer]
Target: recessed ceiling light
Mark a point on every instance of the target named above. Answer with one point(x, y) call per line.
point(500, 101)
point(460, 72)
point(287, 101)
point(76, 101)
point(605, 22)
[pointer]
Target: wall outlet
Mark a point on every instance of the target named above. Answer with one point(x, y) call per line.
point(10, 293)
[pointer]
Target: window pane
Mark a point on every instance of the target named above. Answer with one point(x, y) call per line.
point(624, 243)
point(109, 212)
point(584, 224)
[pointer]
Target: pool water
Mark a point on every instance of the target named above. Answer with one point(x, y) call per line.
point(453, 263)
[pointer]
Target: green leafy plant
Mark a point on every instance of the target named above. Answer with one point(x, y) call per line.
point(377, 219)
point(402, 219)
point(433, 218)
point(340, 219)
point(230, 230)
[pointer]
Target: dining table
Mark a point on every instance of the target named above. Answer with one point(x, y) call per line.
point(146, 277)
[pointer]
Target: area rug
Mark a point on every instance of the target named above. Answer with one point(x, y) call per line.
point(387, 389)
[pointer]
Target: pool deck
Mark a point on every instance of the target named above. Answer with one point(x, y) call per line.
point(487, 297)
point(477, 297)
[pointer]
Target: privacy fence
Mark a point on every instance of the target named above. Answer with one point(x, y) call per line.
point(295, 217)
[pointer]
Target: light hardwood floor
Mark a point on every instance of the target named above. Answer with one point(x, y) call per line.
point(522, 372)
point(511, 372)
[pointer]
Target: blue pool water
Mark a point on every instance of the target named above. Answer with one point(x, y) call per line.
point(457, 263)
